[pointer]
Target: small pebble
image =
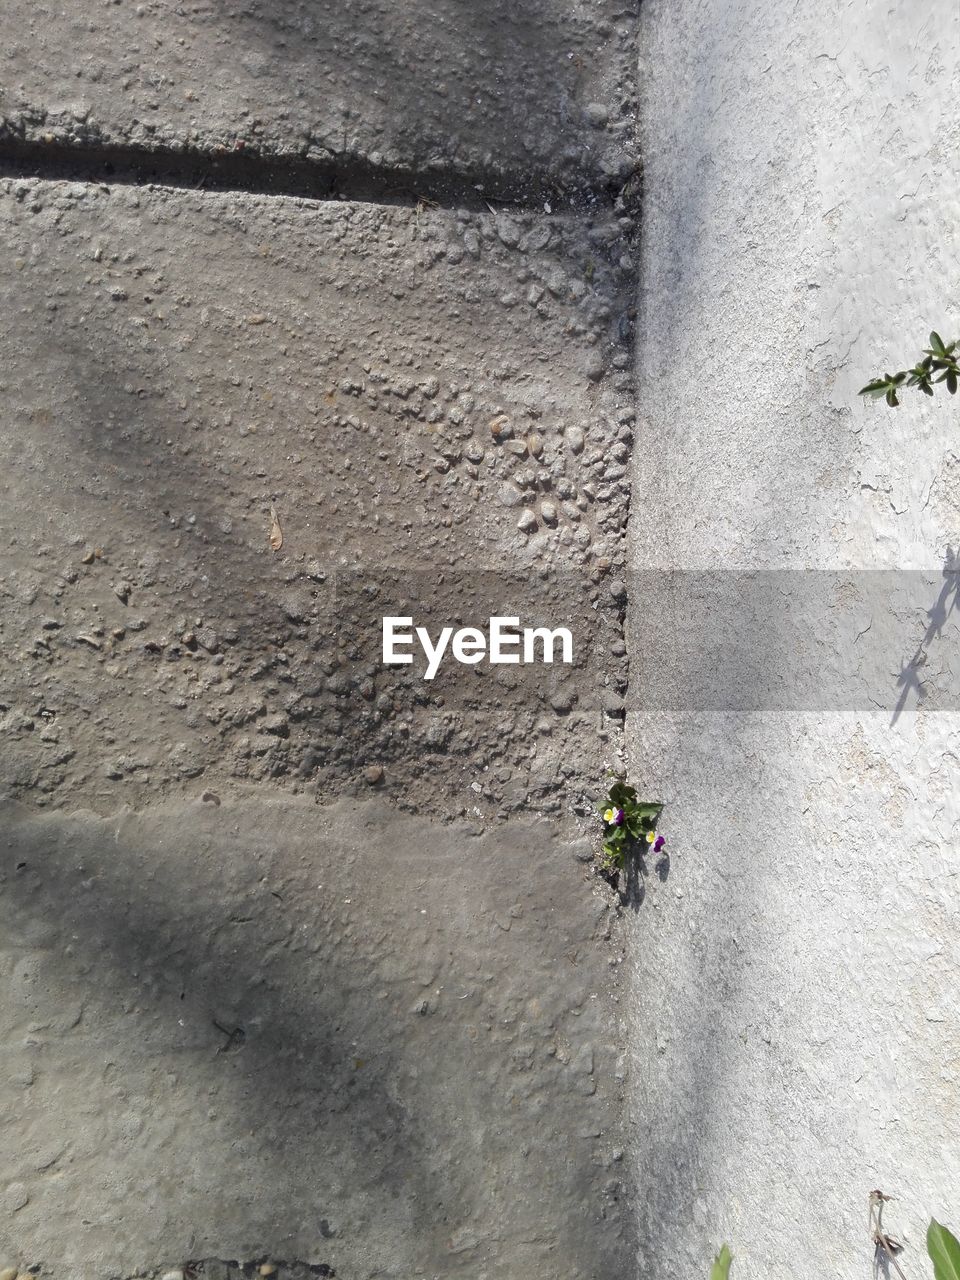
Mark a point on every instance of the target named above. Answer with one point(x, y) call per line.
point(207, 639)
point(8, 1273)
point(373, 774)
point(575, 440)
point(561, 701)
point(509, 232)
point(510, 495)
point(582, 850)
point(268, 1269)
point(527, 522)
point(15, 1197)
point(548, 512)
point(175, 1274)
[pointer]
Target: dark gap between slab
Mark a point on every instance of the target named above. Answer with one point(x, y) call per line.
point(351, 179)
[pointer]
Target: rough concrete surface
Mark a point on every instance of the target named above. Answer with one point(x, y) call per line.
point(304, 963)
point(435, 407)
point(542, 89)
point(254, 1029)
point(303, 960)
point(795, 998)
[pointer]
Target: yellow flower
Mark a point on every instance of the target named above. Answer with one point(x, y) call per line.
point(651, 836)
point(609, 815)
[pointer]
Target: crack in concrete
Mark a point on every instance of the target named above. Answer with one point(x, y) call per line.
point(259, 173)
point(231, 1269)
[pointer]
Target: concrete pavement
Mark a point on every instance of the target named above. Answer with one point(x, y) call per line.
point(503, 94)
point(794, 1018)
point(304, 958)
point(332, 1036)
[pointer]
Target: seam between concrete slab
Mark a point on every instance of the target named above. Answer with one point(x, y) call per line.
point(352, 178)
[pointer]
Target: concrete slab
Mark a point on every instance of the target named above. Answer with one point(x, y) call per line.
point(796, 1049)
point(435, 406)
point(246, 1024)
point(380, 1046)
point(504, 94)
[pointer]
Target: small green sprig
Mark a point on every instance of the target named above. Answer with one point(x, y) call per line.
point(939, 364)
point(627, 821)
point(721, 1264)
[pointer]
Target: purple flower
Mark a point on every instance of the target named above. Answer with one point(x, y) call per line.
point(658, 844)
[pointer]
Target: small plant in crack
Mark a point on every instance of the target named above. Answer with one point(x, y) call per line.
point(629, 825)
point(938, 364)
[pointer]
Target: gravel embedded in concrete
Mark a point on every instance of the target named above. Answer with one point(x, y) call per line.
point(339, 1035)
point(242, 429)
point(503, 91)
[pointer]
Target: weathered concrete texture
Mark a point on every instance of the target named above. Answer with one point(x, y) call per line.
point(381, 1045)
point(532, 89)
point(796, 1002)
point(405, 389)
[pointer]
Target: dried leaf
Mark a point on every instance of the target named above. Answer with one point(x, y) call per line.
point(276, 533)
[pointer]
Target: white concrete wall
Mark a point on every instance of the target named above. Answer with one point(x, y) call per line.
point(796, 988)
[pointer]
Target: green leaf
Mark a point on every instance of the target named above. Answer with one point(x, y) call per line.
point(926, 388)
point(944, 1250)
point(951, 382)
point(648, 810)
point(721, 1265)
point(622, 795)
point(877, 384)
point(937, 343)
point(892, 398)
point(613, 854)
